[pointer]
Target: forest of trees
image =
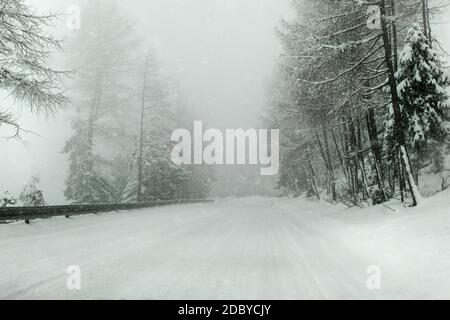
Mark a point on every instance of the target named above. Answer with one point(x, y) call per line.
point(126, 110)
point(360, 94)
point(124, 106)
point(360, 98)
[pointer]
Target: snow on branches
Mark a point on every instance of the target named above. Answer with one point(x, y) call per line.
point(25, 58)
point(422, 80)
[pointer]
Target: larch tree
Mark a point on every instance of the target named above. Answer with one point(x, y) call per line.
point(100, 53)
point(152, 176)
point(26, 51)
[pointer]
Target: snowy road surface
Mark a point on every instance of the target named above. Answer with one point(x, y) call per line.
point(253, 248)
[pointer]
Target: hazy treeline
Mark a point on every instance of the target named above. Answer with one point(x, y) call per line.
point(360, 98)
point(126, 110)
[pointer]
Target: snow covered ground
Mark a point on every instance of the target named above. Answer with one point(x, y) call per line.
point(253, 248)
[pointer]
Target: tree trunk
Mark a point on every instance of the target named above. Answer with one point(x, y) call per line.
point(313, 175)
point(353, 149)
point(330, 163)
point(376, 149)
point(430, 36)
point(364, 178)
point(325, 154)
point(341, 159)
point(398, 126)
point(93, 114)
point(141, 133)
point(425, 18)
point(394, 35)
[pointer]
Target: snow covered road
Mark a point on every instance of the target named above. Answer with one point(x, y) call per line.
point(253, 248)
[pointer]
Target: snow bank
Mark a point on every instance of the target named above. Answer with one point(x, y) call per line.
point(410, 245)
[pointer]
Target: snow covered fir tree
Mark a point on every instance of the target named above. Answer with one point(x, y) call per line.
point(32, 195)
point(7, 200)
point(422, 86)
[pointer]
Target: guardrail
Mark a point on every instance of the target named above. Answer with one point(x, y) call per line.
point(14, 214)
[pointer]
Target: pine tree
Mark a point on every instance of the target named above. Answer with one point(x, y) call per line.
point(85, 185)
point(7, 200)
point(422, 83)
point(32, 195)
point(151, 172)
